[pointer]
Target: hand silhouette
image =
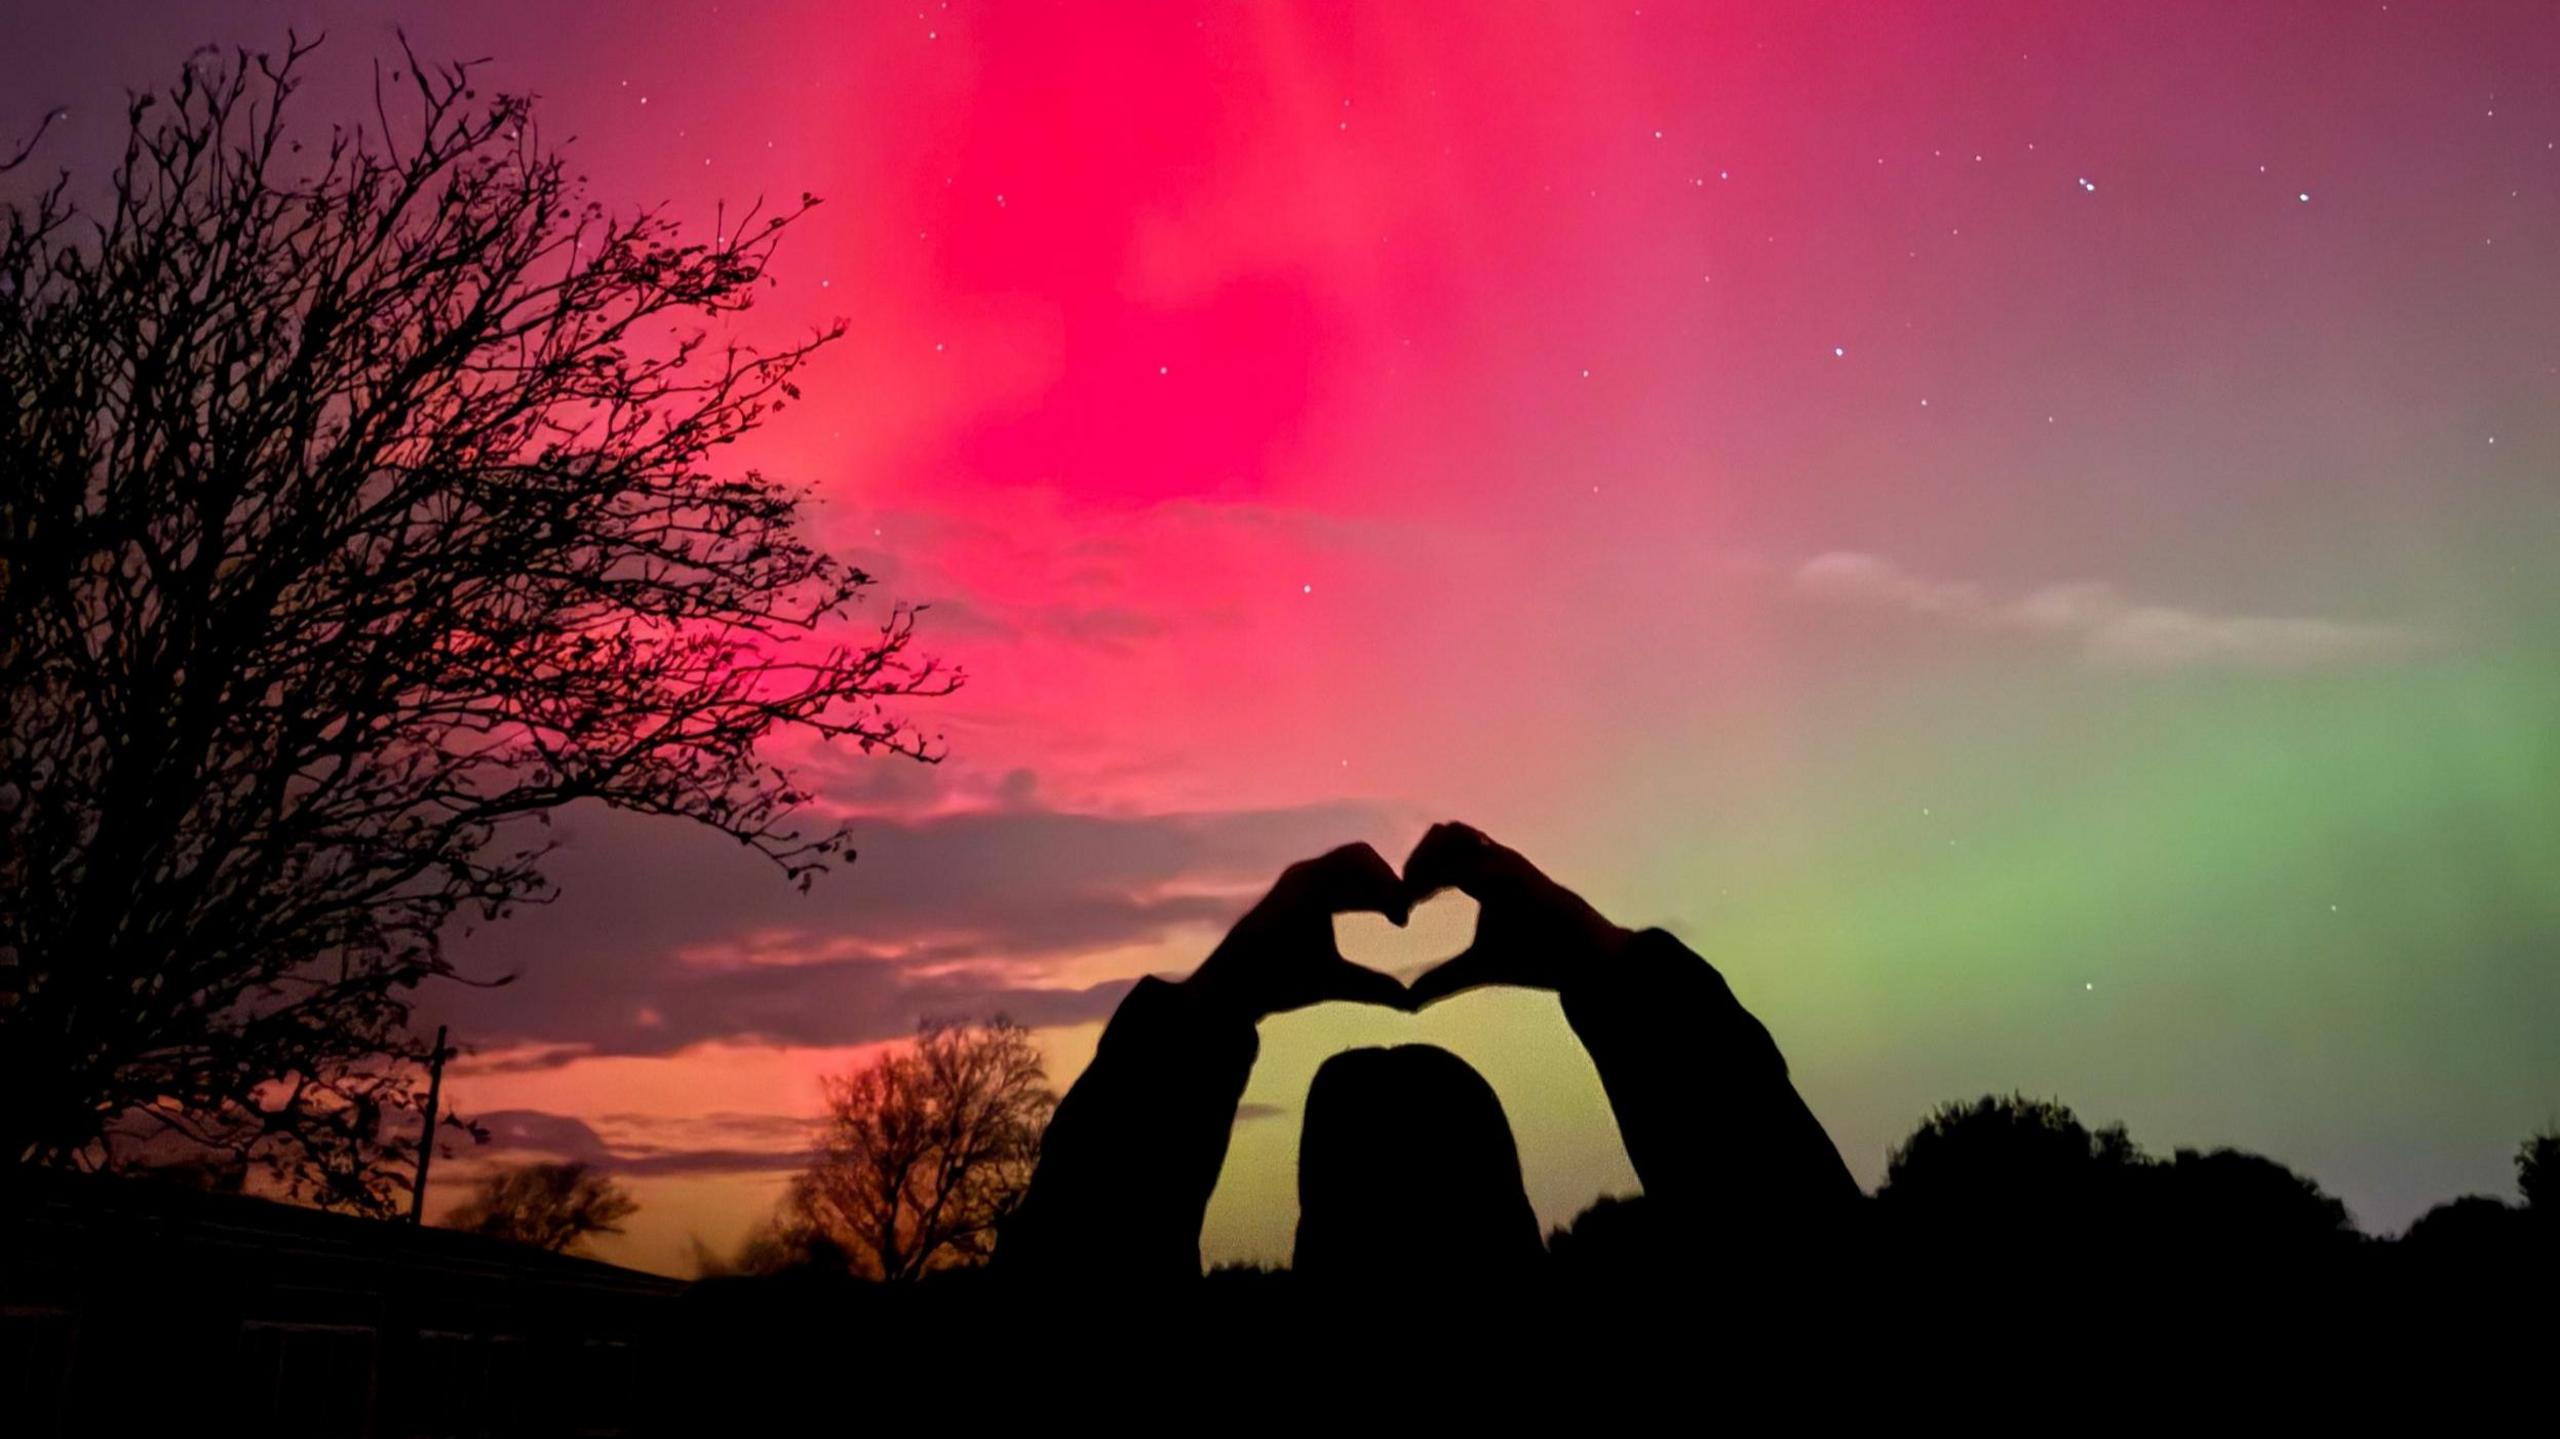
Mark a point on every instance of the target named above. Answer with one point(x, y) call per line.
point(1530, 931)
point(1281, 955)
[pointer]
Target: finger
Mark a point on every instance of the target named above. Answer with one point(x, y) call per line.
point(1474, 969)
point(1354, 879)
point(1359, 984)
point(1450, 856)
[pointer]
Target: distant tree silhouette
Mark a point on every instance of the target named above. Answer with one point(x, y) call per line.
point(1614, 1237)
point(2015, 1172)
point(357, 510)
point(2229, 1201)
point(214, 1172)
point(2473, 1229)
point(783, 1243)
point(925, 1151)
point(709, 1263)
point(550, 1205)
point(2538, 1173)
point(2010, 1169)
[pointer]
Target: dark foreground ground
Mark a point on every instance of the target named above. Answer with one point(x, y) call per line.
point(130, 1308)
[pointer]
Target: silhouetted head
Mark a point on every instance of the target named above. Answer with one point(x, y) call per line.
point(1407, 1171)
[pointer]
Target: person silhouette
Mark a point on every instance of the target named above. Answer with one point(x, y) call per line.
point(1716, 1131)
point(1407, 1173)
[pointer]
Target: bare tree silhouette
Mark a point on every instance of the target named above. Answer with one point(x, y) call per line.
point(550, 1205)
point(926, 1151)
point(357, 511)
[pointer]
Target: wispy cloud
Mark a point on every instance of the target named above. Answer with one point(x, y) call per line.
point(2110, 628)
point(667, 938)
point(651, 1145)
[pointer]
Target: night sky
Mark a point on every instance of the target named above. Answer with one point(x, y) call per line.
point(2024, 533)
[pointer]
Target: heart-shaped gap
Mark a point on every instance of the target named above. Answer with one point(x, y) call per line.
point(1441, 928)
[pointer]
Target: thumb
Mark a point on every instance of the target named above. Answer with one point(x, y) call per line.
point(1473, 969)
point(1359, 984)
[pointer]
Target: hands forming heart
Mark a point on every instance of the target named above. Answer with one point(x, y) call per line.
point(1530, 931)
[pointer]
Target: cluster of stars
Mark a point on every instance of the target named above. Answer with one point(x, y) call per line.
point(2086, 184)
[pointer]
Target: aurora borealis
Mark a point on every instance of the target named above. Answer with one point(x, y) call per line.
point(2023, 533)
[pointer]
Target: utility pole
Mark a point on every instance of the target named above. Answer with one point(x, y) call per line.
point(427, 1136)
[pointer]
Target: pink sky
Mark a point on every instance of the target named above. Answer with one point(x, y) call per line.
point(1990, 522)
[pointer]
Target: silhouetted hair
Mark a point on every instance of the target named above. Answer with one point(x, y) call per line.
point(1407, 1171)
